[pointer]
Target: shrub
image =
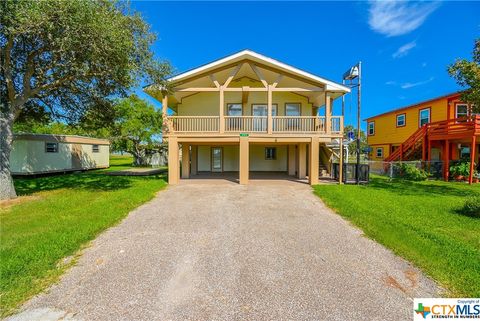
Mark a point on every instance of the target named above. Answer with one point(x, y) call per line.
point(412, 173)
point(460, 169)
point(472, 206)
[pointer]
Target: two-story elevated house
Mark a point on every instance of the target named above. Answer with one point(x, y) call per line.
point(249, 113)
point(442, 129)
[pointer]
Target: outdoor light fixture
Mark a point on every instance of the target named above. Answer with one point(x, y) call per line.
point(353, 73)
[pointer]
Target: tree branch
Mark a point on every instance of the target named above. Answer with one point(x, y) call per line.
point(8, 70)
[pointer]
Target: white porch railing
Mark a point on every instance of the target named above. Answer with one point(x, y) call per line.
point(298, 124)
point(254, 124)
point(195, 124)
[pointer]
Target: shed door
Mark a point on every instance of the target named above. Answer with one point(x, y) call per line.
point(76, 156)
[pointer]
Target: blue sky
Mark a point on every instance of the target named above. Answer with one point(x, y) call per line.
point(405, 47)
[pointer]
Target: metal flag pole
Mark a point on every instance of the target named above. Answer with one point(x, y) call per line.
point(358, 119)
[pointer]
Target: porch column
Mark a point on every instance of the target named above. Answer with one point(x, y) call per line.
point(164, 114)
point(340, 163)
point(291, 160)
point(269, 110)
point(221, 110)
point(173, 168)
point(314, 156)
point(446, 160)
point(472, 158)
point(302, 160)
point(193, 161)
point(244, 161)
point(185, 160)
point(328, 114)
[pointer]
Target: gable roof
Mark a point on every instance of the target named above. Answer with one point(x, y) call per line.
point(256, 57)
point(447, 96)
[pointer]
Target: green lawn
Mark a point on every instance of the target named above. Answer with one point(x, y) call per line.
point(419, 221)
point(54, 218)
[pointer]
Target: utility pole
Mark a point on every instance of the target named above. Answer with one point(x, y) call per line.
point(358, 120)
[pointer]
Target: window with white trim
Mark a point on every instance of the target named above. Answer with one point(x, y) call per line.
point(234, 109)
point(401, 120)
point(270, 153)
point(371, 128)
point(51, 147)
point(379, 152)
point(424, 116)
point(461, 110)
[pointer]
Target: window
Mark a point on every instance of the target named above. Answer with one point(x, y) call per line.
point(270, 153)
point(461, 110)
point(234, 109)
point(51, 147)
point(401, 120)
point(424, 116)
point(379, 152)
point(371, 128)
point(95, 149)
point(292, 109)
point(262, 109)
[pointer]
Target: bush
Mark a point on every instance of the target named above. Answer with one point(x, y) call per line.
point(460, 169)
point(472, 206)
point(412, 173)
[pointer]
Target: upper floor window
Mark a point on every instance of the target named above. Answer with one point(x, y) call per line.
point(401, 120)
point(262, 110)
point(371, 128)
point(461, 110)
point(234, 109)
point(51, 147)
point(424, 116)
point(292, 109)
point(95, 149)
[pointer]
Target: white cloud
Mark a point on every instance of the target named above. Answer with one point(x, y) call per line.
point(391, 83)
point(404, 50)
point(415, 84)
point(395, 18)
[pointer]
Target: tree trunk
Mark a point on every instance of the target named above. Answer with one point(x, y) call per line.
point(7, 190)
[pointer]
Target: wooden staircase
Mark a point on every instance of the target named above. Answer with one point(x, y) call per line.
point(446, 129)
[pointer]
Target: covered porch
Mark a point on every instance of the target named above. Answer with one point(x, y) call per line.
point(245, 158)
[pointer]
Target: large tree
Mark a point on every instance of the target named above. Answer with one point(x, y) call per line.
point(137, 126)
point(64, 57)
point(467, 75)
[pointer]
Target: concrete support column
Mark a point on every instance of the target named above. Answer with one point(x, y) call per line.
point(302, 160)
point(244, 167)
point(173, 163)
point(193, 161)
point(291, 160)
point(314, 158)
point(185, 160)
point(340, 163)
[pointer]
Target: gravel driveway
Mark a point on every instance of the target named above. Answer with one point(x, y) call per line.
point(215, 250)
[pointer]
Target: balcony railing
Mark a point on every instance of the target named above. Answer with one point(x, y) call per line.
point(255, 124)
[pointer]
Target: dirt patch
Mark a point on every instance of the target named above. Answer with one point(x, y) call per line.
point(412, 276)
point(19, 200)
point(391, 281)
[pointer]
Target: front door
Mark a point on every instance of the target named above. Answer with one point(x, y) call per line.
point(217, 159)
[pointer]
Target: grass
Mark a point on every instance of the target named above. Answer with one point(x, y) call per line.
point(419, 221)
point(57, 216)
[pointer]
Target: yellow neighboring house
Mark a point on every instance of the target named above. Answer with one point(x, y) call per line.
point(249, 113)
point(439, 129)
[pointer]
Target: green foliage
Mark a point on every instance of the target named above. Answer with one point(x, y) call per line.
point(352, 147)
point(137, 127)
point(38, 231)
point(418, 221)
point(68, 55)
point(410, 172)
point(467, 75)
point(472, 206)
point(460, 169)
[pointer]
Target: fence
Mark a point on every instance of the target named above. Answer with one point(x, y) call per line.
point(394, 169)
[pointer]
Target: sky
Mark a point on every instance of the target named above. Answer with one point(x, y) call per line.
point(404, 47)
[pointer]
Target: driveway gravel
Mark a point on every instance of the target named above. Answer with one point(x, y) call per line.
point(216, 250)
